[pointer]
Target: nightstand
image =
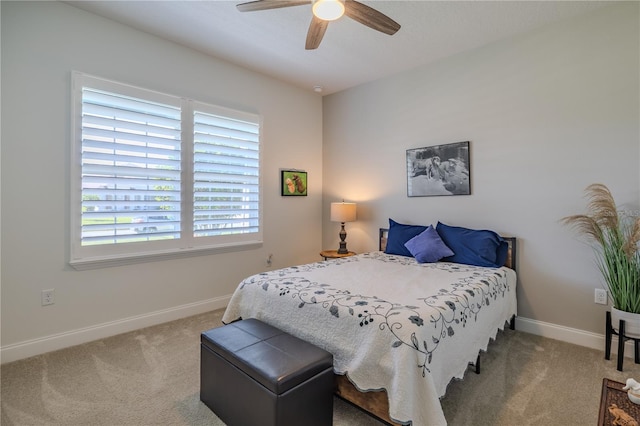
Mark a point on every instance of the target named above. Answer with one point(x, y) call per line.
point(333, 254)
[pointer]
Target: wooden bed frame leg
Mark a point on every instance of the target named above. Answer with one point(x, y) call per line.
point(374, 403)
point(512, 323)
point(478, 364)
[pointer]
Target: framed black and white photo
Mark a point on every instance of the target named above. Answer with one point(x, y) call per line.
point(439, 170)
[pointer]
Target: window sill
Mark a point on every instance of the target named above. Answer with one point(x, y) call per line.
point(143, 257)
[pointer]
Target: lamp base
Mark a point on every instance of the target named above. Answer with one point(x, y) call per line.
point(343, 242)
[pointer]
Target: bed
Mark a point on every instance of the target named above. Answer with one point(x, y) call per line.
point(399, 330)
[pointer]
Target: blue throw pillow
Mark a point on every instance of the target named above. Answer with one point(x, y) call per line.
point(400, 234)
point(473, 247)
point(428, 247)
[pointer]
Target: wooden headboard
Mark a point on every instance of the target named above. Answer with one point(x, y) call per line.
point(511, 254)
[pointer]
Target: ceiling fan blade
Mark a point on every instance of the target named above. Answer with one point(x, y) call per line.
point(316, 32)
point(269, 4)
point(370, 17)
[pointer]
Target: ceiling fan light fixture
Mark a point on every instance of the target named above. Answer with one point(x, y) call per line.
point(328, 10)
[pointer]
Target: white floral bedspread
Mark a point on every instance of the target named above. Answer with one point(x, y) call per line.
point(390, 322)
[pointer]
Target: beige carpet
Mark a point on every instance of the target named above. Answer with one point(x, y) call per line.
point(151, 377)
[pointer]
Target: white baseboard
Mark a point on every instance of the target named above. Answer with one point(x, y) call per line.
point(54, 342)
point(571, 335)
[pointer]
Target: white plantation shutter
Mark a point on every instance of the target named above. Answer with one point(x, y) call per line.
point(156, 176)
point(226, 175)
point(130, 166)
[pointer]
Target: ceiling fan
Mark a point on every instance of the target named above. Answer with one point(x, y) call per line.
point(329, 10)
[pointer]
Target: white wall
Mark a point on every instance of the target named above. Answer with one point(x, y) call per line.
point(547, 114)
point(41, 44)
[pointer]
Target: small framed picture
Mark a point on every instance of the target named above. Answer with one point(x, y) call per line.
point(439, 170)
point(293, 183)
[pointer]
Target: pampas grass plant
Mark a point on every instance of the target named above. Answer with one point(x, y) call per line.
point(616, 236)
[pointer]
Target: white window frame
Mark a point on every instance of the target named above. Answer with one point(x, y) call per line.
point(105, 255)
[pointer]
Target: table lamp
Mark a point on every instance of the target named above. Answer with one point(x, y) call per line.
point(343, 212)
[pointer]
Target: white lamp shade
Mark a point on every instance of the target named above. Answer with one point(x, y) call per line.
point(343, 212)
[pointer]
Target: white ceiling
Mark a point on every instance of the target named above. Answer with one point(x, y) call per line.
point(272, 41)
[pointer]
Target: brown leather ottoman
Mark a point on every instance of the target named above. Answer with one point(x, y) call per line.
point(254, 374)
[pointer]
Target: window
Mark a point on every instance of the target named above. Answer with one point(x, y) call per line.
point(155, 175)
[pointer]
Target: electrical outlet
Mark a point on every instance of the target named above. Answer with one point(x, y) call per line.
point(600, 296)
point(270, 259)
point(47, 297)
